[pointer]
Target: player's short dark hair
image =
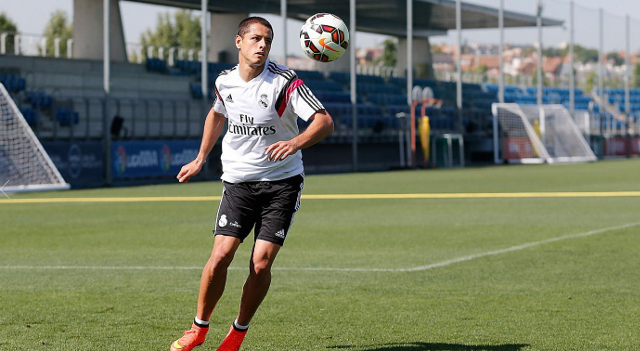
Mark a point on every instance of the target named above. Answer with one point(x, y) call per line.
point(243, 27)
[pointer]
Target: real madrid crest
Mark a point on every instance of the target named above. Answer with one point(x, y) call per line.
point(263, 102)
point(223, 220)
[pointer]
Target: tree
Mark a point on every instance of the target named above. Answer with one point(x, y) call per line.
point(591, 80)
point(182, 31)
point(555, 52)
point(389, 57)
point(585, 55)
point(636, 75)
point(57, 27)
point(617, 59)
point(7, 25)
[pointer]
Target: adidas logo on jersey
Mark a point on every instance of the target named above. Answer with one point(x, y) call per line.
point(280, 234)
point(229, 98)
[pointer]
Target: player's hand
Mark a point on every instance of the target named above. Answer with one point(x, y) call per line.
point(189, 170)
point(281, 150)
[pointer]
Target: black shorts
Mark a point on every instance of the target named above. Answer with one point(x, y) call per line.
point(269, 206)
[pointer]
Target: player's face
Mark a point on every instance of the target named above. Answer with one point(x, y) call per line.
point(255, 45)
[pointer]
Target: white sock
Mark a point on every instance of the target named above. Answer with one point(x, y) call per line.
point(240, 327)
point(201, 322)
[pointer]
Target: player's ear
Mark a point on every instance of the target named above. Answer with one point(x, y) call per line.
point(238, 41)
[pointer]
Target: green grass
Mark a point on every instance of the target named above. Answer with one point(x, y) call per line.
point(575, 294)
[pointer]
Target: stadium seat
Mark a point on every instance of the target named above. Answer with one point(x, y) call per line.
point(66, 117)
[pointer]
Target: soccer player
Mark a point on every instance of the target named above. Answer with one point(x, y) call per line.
point(262, 172)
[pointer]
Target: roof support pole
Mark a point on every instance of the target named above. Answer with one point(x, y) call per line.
point(205, 52)
point(627, 78)
point(283, 13)
point(572, 78)
point(540, 75)
point(459, 63)
point(501, 53)
point(106, 48)
point(352, 70)
point(107, 89)
point(410, 153)
point(600, 62)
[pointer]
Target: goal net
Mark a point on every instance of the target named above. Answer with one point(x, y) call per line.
point(24, 164)
point(533, 134)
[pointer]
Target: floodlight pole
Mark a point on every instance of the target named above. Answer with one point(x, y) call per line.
point(459, 62)
point(283, 13)
point(539, 23)
point(106, 49)
point(600, 61)
point(410, 155)
point(501, 53)
point(354, 100)
point(627, 78)
point(205, 49)
point(572, 83)
point(107, 89)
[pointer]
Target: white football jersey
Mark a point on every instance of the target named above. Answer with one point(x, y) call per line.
point(259, 113)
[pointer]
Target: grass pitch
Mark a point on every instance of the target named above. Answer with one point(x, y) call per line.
point(388, 274)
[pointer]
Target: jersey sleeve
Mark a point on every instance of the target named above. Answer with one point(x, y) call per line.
point(218, 103)
point(303, 102)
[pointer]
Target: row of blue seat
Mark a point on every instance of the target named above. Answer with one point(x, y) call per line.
point(386, 99)
point(156, 65)
point(547, 99)
point(67, 117)
point(13, 82)
point(621, 98)
point(619, 91)
point(323, 85)
point(340, 109)
point(30, 115)
point(634, 107)
point(64, 116)
point(532, 90)
point(345, 78)
point(38, 99)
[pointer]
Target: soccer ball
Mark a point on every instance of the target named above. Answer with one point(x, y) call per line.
point(324, 37)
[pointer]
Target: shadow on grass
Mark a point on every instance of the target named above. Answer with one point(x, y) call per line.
point(423, 346)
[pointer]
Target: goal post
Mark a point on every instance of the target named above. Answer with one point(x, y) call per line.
point(536, 134)
point(514, 134)
point(24, 164)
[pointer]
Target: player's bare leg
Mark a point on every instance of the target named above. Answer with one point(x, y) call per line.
point(212, 283)
point(257, 284)
point(253, 292)
point(214, 274)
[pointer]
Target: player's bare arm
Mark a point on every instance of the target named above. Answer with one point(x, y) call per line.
point(321, 126)
point(213, 127)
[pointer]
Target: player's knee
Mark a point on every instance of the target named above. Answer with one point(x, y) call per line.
point(221, 259)
point(261, 268)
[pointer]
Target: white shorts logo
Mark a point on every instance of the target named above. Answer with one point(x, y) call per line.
point(280, 234)
point(223, 220)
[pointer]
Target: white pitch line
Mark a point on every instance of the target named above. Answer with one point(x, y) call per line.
point(324, 269)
